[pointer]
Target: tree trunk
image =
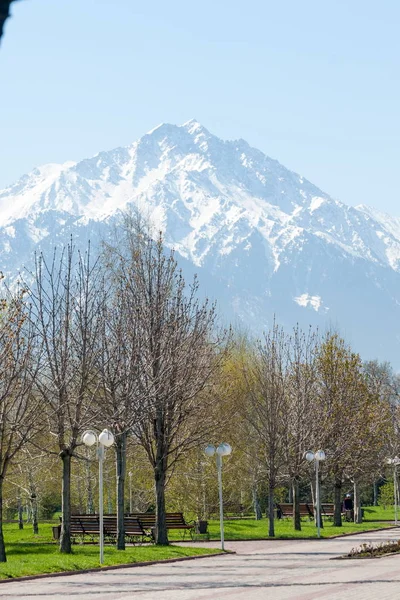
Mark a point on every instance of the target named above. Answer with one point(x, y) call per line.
point(120, 449)
point(296, 504)
point(256, 504)
point(65, 539)
point(337, 517)
point(271, 524)
point(20, 514)
point(357, 504)
point(80, 496)
point(375, 500)
point(3, 557)
point(160, 472)
point(90, 503)
point(34, 514)
point(161, 525)
point(108, 491)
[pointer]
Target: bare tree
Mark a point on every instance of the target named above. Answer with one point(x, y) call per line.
point(177, 357)
point(18, 406)
point(118, 362)
point(66, 316)
point(27, 473)
point(301, 393)
point(266, 410)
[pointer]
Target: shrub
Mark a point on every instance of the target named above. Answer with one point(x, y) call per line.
point(10, 512)
point(386, 495)
point(49, 504)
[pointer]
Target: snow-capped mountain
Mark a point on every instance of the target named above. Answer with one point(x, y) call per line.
point(263, 239)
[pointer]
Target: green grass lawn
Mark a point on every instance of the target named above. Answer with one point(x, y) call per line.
point(378, 513)
point(247, 529)
point(28, 554)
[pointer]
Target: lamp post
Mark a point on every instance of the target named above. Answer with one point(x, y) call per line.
point(316, 457)
point(395, 462)
point(104, 440)
point(222, 450)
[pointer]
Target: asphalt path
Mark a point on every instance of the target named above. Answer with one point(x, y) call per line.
point(273, 569)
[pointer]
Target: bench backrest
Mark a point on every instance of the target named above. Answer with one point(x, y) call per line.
point(91, 524)
point(327, 508)
point(146, 519)
point(175, 519)
point(305, 509)
point(133, 526)
point(84, 524)
point(286, 509)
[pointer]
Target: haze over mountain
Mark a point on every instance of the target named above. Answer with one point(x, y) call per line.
point(262, 238)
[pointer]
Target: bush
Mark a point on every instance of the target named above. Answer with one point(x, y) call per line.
point(280, 494)
point(49, 504)
point(386, 495)
point(375, 549)
point(10, 512)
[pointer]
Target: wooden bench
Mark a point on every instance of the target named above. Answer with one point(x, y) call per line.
point(306, 510)
point(132, 526)
point(89, 526)
point(177, 521)
point(327, 509)
point(147, 520)
point(173, 521)
point(84, 525)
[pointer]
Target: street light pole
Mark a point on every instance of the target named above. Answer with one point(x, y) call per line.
point(316, 457)
point(395, 462)
point(317, 498)
point(222, 450)
point(221, 505)
point(104, 440)
point(100, 457)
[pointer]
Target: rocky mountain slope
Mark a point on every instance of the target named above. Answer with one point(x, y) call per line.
point(263, 239)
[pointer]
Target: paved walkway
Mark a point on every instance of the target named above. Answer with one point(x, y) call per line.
point(278, 570)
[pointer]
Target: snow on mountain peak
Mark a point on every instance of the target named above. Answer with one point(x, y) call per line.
point(264, 239)
point(193, 126)
point(210, 196)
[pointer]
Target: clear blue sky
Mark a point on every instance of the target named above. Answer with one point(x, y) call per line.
point(313, 83)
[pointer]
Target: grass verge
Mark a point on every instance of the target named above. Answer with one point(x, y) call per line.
point(28, 554)
point(284, 529)
point(249, 529)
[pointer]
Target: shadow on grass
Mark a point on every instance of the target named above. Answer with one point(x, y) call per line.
point(29, 548)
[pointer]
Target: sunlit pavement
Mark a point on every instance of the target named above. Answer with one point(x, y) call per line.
point(278, 570)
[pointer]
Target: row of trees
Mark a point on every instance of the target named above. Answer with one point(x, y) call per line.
point(121, 341)
point(298, 392)
point(118, 341)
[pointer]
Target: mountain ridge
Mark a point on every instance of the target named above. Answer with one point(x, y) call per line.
point(265, 237)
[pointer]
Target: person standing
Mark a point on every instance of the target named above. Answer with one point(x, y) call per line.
point(348, 508)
